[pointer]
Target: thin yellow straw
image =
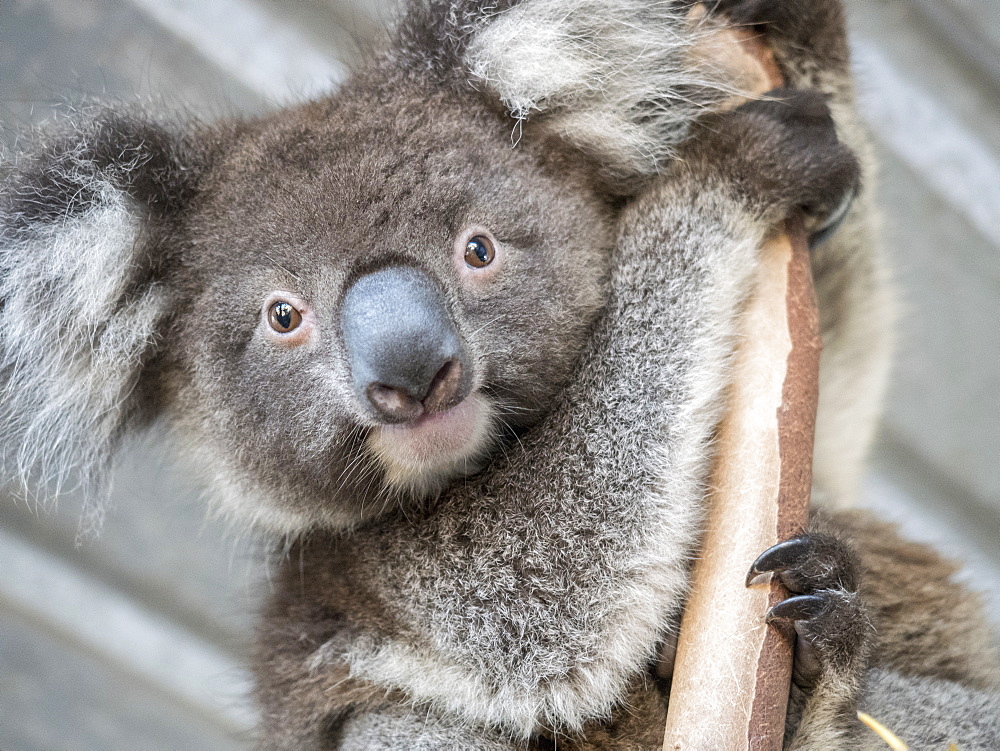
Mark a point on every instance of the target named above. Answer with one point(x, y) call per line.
point(883, 732)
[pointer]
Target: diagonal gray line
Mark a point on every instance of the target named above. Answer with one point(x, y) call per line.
point(949, 157)
point(107, 622)
point(261, 51)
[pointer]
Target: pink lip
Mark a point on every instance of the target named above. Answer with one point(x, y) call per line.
point(429, 418)
point(436, 435)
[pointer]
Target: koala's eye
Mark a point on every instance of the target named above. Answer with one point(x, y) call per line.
point(479, 252)
point(283, 317)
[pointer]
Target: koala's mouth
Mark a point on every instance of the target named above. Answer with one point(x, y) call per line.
point(422, 455)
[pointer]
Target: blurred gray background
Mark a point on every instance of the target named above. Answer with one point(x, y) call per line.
point(137, 640)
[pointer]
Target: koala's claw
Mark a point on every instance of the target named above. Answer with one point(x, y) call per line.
point(784, 555)
point(798, 608)
point(826, 229)
point(808, 564)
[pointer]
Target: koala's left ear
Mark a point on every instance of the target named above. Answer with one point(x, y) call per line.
point(621, 81)
point(87, 218)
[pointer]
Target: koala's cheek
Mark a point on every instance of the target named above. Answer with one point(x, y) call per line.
point(421, 456)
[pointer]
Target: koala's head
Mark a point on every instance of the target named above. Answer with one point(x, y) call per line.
point(351, 302)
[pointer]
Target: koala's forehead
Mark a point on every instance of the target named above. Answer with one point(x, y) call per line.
point(343, 169)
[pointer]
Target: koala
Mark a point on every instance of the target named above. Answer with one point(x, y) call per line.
point(459, 332)
point(508, 613)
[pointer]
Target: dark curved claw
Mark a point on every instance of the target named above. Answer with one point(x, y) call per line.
point(784, 555)
point(798, 608)
point(832, 223)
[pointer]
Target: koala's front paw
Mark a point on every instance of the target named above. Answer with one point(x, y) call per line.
point(779, 153)
point(812, 136)
point(834, 633)
point(801, 21)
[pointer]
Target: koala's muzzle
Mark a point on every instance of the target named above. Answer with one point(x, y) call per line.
point(405, 354)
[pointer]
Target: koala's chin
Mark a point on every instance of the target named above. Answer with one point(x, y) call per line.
point(422, 456)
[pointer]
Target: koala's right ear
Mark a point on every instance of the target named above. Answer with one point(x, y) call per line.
point(619, 81)
point(86, 222)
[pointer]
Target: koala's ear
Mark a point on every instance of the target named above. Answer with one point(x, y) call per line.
point(621, 81)
point(86, 217)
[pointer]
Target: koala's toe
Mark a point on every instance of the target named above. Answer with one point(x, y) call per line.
point(779, 154)
point(821, 174)
point(833, 633)
point(798, 608)
point(808, 564)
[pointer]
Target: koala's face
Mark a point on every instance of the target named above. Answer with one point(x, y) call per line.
point(379, 288)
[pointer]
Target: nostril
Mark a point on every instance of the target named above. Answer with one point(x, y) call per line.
point(394, 404)
point(445, 389)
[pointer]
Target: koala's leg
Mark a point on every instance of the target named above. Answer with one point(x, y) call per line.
point(928, 623)
point(809, 38)
point(882, 627)
point(929, 714)
point(935, 676)
point(926, 714)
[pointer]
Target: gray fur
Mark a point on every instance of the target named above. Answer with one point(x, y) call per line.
point(396, 726)
point(591, 547)
point(626, 496)
point(468, 608)
point(928, 715)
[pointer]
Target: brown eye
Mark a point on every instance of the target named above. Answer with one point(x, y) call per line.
point(479, 252)
point(283, 317)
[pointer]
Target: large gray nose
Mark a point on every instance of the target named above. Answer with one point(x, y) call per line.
point(405, 355)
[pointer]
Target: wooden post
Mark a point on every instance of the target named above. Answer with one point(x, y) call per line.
point(732, 672)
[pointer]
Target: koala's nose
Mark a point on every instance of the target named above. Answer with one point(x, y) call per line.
point(405, 355)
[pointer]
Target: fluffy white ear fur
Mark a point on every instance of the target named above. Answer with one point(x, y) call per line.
point(616, 79)
point(72, 338)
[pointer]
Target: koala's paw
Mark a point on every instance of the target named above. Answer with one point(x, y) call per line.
point(802, 21)
point(834, 633)
point(781, 153)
